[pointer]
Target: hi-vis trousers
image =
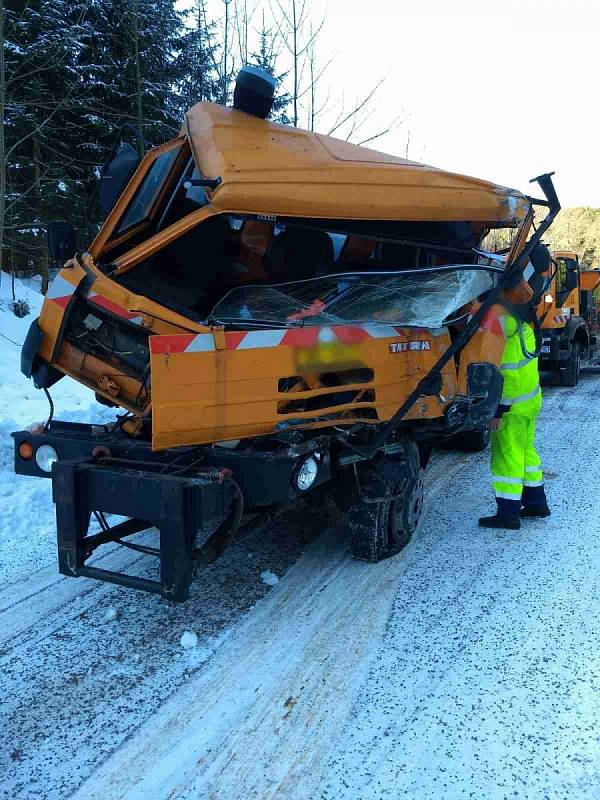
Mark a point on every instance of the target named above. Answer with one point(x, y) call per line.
point(516, 466)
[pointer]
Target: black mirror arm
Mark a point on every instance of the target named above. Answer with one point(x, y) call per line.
point(208, 183)
point(552, 203)
point(137, 134)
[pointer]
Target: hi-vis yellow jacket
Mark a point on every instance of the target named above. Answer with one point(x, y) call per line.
point(521, 393)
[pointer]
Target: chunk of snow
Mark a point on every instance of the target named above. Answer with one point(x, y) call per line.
point(269, 578)
point(110, 614)
point(189, 640)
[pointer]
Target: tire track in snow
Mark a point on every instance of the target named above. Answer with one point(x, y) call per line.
point(485, 683)
point(74, 687)
point(260, 719)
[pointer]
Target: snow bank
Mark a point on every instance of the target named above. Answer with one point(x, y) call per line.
point(28, 522)
point(11, 327)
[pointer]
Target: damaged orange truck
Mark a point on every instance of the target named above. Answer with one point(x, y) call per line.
point(273, 311)
point(568, 312)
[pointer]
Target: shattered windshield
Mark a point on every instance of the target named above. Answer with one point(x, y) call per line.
point(425, 298)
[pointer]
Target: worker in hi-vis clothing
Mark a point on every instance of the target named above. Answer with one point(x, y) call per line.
point(516, 466)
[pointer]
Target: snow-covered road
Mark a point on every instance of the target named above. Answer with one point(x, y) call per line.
point(469, 666)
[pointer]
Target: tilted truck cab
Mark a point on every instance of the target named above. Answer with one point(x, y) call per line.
point(274, 310)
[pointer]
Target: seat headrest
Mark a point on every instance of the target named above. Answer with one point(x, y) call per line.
point(299, 253)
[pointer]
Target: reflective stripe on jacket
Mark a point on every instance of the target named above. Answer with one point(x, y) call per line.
point(521, 393)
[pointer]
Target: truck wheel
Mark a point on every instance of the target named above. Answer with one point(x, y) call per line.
point(471, 441)
point(382, 528)
point(570, 375)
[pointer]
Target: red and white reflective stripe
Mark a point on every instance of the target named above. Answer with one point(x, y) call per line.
point(119, 311)
point(60, 291)
point(492, 323)
point(562, 319)
point(294, 337)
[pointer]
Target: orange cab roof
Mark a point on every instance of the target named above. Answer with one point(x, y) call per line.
point(280, 170)
point(564, 254)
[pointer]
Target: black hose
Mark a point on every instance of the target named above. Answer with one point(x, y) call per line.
point(50, 418)
point(537, 330)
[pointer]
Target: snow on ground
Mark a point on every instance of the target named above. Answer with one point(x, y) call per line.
point(28, 520)
point(467, 667)
point(487, 680)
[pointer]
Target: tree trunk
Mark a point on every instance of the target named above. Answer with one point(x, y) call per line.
point(295, 57)
point(199, 25)
point(42, 265)
point(225, 49)
point(138, 77)
point(313, 87)
point(2, 147)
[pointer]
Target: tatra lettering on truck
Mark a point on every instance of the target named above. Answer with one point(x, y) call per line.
point(276, 312)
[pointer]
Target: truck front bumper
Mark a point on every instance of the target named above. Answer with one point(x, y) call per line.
point(193, 496)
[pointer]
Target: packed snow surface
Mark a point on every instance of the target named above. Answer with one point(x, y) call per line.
point(467, 667)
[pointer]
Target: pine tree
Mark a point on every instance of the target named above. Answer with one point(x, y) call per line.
point(39, 90)
point(196, 64)
point(266, 58)
point(74, 71)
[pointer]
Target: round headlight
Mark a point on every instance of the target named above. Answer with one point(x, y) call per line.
point(45, 456)
point(306, 473)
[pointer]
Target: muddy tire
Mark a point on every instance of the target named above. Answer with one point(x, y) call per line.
point(570, 375)
point(381, 529)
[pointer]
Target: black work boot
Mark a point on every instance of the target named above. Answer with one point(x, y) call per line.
point(534, 502)
point(535, 511)
point(508, 521)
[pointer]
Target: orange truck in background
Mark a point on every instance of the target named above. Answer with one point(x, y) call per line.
point(568, 312)
point(274, 312)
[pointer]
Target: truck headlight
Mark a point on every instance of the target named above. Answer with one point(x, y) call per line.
point(45, 456)
point(306, 473)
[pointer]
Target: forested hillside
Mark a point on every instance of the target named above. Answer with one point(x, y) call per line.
point(577, 229)
point(74, 71)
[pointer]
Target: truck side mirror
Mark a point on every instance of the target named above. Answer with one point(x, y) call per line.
point(61, 241)
point(541, 262)
point(572, 279)
point(116, 174)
